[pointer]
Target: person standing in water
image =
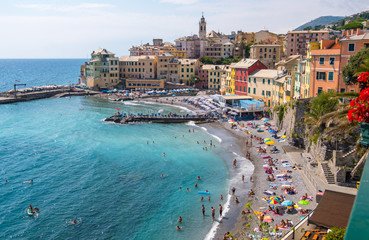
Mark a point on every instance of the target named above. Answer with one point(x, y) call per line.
point(243, 178)
point(203, 210)
point(180, 219)
point(213, 213)
point(220, 210)
point(234, 163)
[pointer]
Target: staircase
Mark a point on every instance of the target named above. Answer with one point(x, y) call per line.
point(328, 174)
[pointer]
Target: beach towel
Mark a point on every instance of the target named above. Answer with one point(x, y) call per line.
point(286, 165)
point(267, 192)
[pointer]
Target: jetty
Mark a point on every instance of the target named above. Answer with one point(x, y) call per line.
point(40, 93)
point(127, 119)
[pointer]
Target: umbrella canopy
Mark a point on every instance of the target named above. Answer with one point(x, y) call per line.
point(272, 131)
point(273, 201)
point(266, 139)
point(304, 202)
point(278, 198)
point(258, 213)
point(284, 136)
point(266, 120)
point(287, 203)
point(117, 109)
point(269, 142)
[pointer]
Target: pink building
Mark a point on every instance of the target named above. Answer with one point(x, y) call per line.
point(203, 75)
point(297, 40)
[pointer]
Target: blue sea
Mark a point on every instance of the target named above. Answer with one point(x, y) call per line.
point(105, 176)
point(38, 72)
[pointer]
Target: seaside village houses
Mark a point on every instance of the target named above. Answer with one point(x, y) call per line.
point(276, 68)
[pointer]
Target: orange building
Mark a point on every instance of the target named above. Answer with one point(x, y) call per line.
point(352, 42)
point(325, 68)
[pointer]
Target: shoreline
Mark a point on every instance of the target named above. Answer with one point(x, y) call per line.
point(235, 221)
point(234, 145)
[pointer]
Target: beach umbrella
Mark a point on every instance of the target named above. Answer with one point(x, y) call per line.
point(272, 131)
point(267, 219)
point(118, 109)
point(273, 201)
point(266, 120)
point(284, 136)
point(287, 203)
point(278, 198)
point(269, 142)
point(266, 139)
point(304, 202)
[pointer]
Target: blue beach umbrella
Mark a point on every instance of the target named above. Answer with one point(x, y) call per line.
point(287, 203)
point(266, 120)
point(272, 131)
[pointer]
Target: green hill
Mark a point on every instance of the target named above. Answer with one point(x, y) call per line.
point(320, 21)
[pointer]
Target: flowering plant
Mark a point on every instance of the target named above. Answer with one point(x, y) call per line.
point(360, 105)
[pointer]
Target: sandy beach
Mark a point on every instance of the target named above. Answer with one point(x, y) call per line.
point(235, 140)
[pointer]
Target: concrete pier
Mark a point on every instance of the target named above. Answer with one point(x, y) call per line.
point(28, 96)
point(157, 119)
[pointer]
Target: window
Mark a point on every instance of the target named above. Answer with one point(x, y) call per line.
point(342, 90)
point(320, 90)
point(330, 76)
point(321, 61)
point(248, 90)
point(351, 47)
point(254, 80)
point(262, 92)
point(320, 75)
point(249, 80)
point(331, 61)
point(268, 81)
point(263, 81)
point(244, 89)
point(254, 90)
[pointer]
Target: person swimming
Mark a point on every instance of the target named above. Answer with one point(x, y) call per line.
point(30, 181)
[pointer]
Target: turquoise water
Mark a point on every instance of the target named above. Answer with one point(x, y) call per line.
point(104, 175)
point(38, 72)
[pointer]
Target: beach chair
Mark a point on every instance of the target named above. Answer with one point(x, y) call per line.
point(307, 234)
point(316, 237)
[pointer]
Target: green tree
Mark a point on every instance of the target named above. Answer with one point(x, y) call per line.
point(353, 66)
point(219, 61)
point(336, 234)
point(206, 60)
point(247, 50)
point(324, 103)
point(308, 28)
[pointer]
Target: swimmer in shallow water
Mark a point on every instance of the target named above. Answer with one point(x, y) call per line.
point(30, 181)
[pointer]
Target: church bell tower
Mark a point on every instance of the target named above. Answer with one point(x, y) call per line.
point(202, 27)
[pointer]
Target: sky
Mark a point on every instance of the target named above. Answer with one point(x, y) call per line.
point(75, 28)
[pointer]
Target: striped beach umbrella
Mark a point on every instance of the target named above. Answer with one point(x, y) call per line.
point(276, 197)
point(273, 201)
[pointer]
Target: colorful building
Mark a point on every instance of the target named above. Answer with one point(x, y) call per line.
point(268, 54)
point(240, 73)
point(102, 71)
point(351, 43)
point(186, 69)
point(227, 50)
point(325, 68)
point(202, 82)
point(214, 76)
point(214, 51)
point(288, 67)
point(260, 85)
point(305, 86)
point(297, 40)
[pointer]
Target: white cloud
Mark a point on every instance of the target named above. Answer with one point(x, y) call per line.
point(64, 8)
point(179, 2)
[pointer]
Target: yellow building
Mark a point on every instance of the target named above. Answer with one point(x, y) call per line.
point(305, 86)
point(102, 71)
point(138, 67)
point(260, 85)
point(226, 84)
point(214, 76)
point(279, 93)
point(233, 80)
point(186, 69)
point(268, 54)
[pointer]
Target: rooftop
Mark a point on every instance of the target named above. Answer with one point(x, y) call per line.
point(245, 63)
point(135, 58)
point(325, 52)
point(236, 97)
point(265, 73)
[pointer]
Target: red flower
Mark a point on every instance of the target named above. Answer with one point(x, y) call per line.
point(360, 106)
